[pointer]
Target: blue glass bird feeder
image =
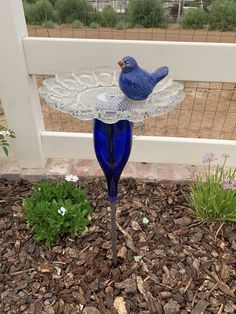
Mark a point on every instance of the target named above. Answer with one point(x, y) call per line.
point(94, 94)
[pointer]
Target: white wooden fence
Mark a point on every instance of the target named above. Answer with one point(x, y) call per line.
point(22, 57)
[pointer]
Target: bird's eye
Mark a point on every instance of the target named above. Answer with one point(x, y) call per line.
point(127, 63)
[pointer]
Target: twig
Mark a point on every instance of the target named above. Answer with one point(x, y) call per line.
point(220, 309)
point(188, 285)
point(199, 223)
point(58, 262)
point(213, 288)
point(21, 271)
point(123, 231)
point(220, 227)
point(193, 300)
point(84, 249)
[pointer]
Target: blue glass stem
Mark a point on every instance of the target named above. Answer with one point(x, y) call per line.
point(112, 143)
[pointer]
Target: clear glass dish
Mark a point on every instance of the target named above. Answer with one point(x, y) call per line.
point(94, 93)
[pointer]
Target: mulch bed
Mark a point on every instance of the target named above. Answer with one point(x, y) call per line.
point(184, 267)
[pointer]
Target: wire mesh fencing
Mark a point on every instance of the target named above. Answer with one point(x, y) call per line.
point(208, 111)
point(158, 24)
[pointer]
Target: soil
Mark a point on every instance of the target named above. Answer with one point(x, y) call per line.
point(174, 264)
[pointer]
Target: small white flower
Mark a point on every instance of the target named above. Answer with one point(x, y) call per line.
point(62, 211)
point(145, 221)
point(5, 133)
point(137, 258)
point(71, 178)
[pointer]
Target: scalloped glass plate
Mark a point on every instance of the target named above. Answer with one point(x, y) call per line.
point(94, 93)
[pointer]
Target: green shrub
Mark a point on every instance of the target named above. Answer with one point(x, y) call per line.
point(70, 10)
point(4, 134)
point(223, 15)
point(194, 18)
point(109, 17)
point(27, 10)
point(93, 25)
point(95, 16)
point(149, 13)
point(40, 11)
point(213, 197)
point(120, 25)
point(48, 24)
point(77, 24)
point(56, 208)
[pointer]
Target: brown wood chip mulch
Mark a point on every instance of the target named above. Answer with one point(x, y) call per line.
point(174, 264)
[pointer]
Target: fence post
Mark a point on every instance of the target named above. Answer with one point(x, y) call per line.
point(18, 89)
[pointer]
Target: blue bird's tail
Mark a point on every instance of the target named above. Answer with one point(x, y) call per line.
point(160, 73)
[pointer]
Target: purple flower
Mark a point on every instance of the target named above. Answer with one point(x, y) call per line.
point(228, 186)
point(208, 158)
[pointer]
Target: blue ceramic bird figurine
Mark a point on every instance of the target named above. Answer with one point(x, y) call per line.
point(136, 83)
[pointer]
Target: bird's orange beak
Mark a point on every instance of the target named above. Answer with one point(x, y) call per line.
point(121, 64)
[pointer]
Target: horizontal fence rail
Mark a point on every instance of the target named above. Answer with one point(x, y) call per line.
point(154, 149)
point(209, 62)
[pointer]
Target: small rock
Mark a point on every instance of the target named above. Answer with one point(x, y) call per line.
point(69, 280)
point(78, 297)
point(71, 252)
point(196, 264)
point(200, 307)
point(183, 221)
point(122, 253)
point(129, 285)
point(172, 307)
point(48, 309)
point(22, 284)
point(165, 294)
point(234, 245)
point(130, 245)
point(57, 249)
point(35, 287)
point(90, 310)
point(135, 225)
point(120, 306)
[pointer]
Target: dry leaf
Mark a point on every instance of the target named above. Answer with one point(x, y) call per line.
point(140, 286)
point(225, 288)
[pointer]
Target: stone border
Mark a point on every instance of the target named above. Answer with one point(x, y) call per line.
point(56, 168)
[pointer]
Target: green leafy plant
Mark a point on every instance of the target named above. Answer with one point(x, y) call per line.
point(223, 15)
point(70, 10)
point(213, 196)
point(109, 17)
point(48, 24)
point(56, 208)
point(39, 11)
point(4, 134)
point(194, 18)
point(93, 25)
point(120, 25)
point(149, 13)
point(77, 24)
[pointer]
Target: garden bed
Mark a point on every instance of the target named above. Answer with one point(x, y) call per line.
point(173, 264)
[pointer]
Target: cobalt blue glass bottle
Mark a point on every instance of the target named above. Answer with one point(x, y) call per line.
point(112, 143)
